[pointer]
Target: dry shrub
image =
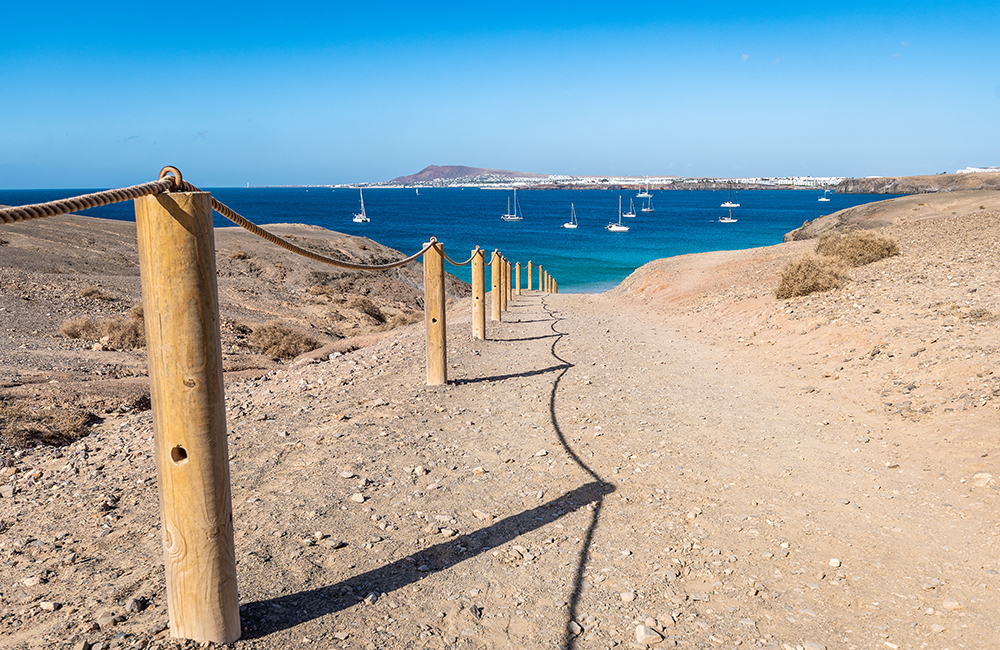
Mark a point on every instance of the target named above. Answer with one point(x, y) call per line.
point(127, 332)
point(404, 317)
point(21, 427)
point(809, 274)
point(366, 306)
point(97, 293)
point(857, 247)
point(239, 255)
point(278, 340)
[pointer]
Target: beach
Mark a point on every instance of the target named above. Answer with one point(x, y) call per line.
point(681, 461)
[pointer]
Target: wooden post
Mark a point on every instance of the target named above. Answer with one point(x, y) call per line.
point(495, 290)
point(180, 301)
point(529, 275)
point(555, 287)
point(517, 278)
point(478, 295)
point(434, 315)
point(504, 283)
point(541, 278)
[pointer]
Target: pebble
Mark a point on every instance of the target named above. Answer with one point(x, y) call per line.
point(541, 452)
point(49, 606)
point(938, 628)
point(627, 596)
point(6, 491)
point(341, 636)
point(574, 628)
point(357, 497)
point(647, 635)
point(105, 620)
point(370, 599)
point(346, 474)
point(479, 514)
point(951, 605)
point(813, 645)
point(33, 581)
point(834, 562)
point(448, 532)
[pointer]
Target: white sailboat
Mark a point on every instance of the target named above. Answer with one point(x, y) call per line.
point(511, 216)
point(361, 217)
point(728, 219)
point(648, 207)
point(644, 194)
point(824, 197)
point(631, 209)
point(572, 218)
point(618, 227)
point(729, 203)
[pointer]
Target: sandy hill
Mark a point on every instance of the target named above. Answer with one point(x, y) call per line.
point(684, 461)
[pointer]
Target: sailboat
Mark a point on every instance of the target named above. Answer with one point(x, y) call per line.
point(511, 216)
point(617, 227)
point(644, 194)
point(729, 203)
point(649, 206)
point(728, 219)
point(572, 218)
point(824, 197)
point(361, 217)
point(631, 209)
point(418, 191)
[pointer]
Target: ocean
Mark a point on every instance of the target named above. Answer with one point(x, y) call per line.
point(588, 259)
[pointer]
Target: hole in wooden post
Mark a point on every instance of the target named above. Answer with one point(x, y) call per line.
point(178, 454)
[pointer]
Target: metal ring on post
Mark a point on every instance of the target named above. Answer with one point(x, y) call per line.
point(178, 179)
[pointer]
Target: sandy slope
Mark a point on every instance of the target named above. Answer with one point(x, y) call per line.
point(685, 453)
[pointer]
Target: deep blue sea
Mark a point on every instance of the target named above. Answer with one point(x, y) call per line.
point(587, 259)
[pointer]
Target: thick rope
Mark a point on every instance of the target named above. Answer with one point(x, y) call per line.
point(241, 221)
point(170, 179)
point(76, 203)
point(461, 263)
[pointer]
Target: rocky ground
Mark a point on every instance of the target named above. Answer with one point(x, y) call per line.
point(684, 461)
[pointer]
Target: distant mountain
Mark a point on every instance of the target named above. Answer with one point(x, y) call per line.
point(433, 173)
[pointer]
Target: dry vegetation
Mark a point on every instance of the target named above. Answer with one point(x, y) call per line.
point(827, 269)
point(22, 427)
point(278, 340)
point(125, 332)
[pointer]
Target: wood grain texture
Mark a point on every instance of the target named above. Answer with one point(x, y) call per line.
point(180, 305)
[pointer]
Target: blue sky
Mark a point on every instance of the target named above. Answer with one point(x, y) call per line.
point(105, 94)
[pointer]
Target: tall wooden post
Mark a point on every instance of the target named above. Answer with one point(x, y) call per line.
point(504, 283)
point(541, 278)
point(478, 295)
point(517, 278)
point(529, 275)
point(495, 290)
point(434, 315)
point(181, 305)
point(555, 287)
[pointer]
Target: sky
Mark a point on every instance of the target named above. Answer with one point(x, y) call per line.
point(104, 94)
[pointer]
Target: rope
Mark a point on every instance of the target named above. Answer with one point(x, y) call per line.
point(463, 263)
point(74, 204)
point(170, 179)
point(496, 252)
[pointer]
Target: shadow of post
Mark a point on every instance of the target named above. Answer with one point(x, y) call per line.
point(283, 612)
point(303, 606)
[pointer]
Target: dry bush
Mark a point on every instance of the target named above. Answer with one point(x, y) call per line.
point(127, 332)
point(366, 306)
point(278, 340)
point(404, 317)
point(239, 255)
point(97, 293)
point(21, 428)
point(857, 247)
point(809, 274)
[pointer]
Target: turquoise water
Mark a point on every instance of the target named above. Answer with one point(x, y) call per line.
point(587, 259)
